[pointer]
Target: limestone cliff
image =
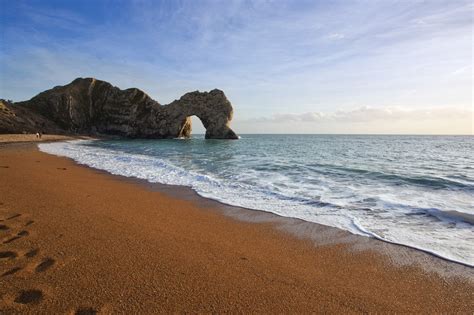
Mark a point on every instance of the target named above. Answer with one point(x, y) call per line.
point(90, 106)
point(16, 119)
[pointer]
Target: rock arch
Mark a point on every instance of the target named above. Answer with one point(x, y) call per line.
point(212, 108)
point(90, 106)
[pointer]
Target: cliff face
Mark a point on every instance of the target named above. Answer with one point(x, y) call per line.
point(14, 119)
point(91, 106)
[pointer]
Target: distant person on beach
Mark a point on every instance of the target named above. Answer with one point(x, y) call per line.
point(38, 135)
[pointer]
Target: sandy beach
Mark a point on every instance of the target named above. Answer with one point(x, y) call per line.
point(16, 138)
point(78, 240)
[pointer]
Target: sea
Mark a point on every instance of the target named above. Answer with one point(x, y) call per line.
point(416, 191)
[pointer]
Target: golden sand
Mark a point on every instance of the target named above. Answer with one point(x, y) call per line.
point(10, 138)
point(73, 239)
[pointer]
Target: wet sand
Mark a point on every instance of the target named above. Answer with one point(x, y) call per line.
point(74, 239)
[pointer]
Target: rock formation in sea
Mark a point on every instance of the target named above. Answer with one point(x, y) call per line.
point(91, 106)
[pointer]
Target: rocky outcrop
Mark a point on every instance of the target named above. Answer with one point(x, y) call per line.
point(90, 106)
point(15, 119)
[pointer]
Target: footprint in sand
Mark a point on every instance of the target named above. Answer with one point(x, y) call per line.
point(23, 233)
point(11, 271)
point(32, 253)
point(29, 222)
point(8, 255)
point(86, 311)
point(45, 265)
point(62, 168)
point(18, 236)
point(14, 216)
point(29, 297)
point(3, 227)
point(11, 239)
point(4, 166)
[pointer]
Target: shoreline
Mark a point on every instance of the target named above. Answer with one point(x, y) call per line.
point(192, 195)
point(244, 214)
point(328, 268)
point(313, 231)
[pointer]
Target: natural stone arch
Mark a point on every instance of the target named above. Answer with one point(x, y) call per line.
point(212, 108)
point(96, 107)
point(188, 127)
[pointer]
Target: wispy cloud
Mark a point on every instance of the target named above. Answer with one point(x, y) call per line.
point(366, 120)
point(64, 19)
point(336, 36)
point(269, 56)
point(370, 114)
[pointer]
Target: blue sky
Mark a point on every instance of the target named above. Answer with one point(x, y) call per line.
point(287, 66)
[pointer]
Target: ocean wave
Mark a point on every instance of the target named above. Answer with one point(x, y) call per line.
point(452, 216)
point(397, 179)
point(383, 213)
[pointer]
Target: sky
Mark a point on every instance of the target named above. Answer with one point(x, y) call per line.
point(383, 67)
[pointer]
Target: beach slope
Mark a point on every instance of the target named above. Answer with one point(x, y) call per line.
point(74, 239)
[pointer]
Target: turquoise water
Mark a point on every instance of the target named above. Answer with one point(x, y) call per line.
point(412, 190)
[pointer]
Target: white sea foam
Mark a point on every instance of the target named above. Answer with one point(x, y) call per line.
point(447, 235)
